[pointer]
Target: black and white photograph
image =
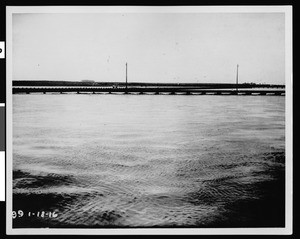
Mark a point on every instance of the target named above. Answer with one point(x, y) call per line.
point(128, 120)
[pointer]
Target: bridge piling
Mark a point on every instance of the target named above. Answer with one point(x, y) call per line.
point(148, 90)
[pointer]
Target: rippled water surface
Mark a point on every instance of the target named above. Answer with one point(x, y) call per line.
point(146, 160)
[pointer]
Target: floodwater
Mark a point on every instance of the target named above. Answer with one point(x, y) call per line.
point(148, 160)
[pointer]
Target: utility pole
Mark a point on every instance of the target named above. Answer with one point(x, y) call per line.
point(126, 76)
point(237, 76)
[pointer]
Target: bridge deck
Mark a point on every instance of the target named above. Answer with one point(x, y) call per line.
point(145, 90)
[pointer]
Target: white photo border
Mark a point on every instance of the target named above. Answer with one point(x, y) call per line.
point(287, 10)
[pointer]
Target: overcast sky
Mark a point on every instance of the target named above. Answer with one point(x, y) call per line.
point(159, 47)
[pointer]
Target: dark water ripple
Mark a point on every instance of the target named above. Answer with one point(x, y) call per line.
point(193, 199)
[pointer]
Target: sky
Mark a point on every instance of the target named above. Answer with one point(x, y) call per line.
point(158, 47)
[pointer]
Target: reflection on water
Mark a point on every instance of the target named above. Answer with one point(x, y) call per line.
point(146, 161)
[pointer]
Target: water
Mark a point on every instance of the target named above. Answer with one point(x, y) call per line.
point(148, 160)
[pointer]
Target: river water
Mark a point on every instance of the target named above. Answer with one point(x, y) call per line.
point(148, 160)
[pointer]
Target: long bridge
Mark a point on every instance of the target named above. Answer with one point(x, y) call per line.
point(28, 87)
point(146, 90)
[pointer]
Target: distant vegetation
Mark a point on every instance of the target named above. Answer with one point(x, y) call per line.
point(142, 84)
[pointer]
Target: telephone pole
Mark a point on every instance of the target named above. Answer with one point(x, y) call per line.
point(126, 77)
point(237, 76)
